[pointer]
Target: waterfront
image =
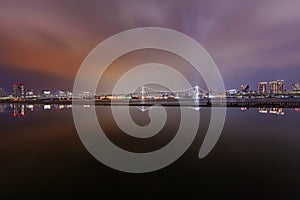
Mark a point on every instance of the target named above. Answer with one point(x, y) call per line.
point(203, 102)
point(257, 156)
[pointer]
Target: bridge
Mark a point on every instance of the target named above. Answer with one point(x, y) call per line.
point(144, 92)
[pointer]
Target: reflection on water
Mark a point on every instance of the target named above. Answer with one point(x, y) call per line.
point(277, 111)
point(195, 108)
point(21, 110)
point(144, 108)
point(256, 155)
point(244, 108)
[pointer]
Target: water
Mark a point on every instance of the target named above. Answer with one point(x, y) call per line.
point(257, 156)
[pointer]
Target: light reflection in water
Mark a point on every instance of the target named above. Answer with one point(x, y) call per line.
point(144, 108)
point(21, 110)
point(263, 110)
point(47, 107)
point(244, 108)
point(277, 111)
point(30, 107)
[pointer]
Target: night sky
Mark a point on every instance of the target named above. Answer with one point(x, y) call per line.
point(43, 43)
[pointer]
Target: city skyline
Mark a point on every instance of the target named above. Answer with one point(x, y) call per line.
point(44, 43)
point(263, 87)
point(191, 99)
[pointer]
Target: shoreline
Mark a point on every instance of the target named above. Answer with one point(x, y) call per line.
point(229, 102)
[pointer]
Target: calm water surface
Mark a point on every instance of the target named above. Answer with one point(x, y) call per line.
point(257, 156)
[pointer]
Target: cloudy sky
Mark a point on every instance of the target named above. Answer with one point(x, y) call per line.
point(43, 43)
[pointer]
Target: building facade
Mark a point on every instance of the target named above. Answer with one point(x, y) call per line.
point(276, 87)
point(19, 90)
point(280, 86)
point(262, 87)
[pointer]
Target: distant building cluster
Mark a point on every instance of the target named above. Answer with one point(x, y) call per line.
point(20, 92)
point(265, 89)
point(275, 87)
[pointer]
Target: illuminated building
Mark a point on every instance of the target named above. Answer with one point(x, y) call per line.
point(29, 93)
point(232, 92)
point(276, 87)
point(2, 92)
point(244, 88)
point(62, 93)
point(19, 90)
point(46, 95)
point(280, 85)
point(46, 92)
point(262, 87)
point(296, 86)
point(273, 87)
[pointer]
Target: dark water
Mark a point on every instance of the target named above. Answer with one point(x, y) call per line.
point(257, 156)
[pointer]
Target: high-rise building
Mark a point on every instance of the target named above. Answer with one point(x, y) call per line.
point(19, 90)
point(280, 86)
point(2, 92)
point(273, 87)
point(262, 87)
point(276, 87)
point(296, 86)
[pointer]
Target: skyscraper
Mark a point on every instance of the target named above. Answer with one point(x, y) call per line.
point(276, 87)
point(19, 90)
point(273, 87)
point(262, 87)
point(280, 86)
